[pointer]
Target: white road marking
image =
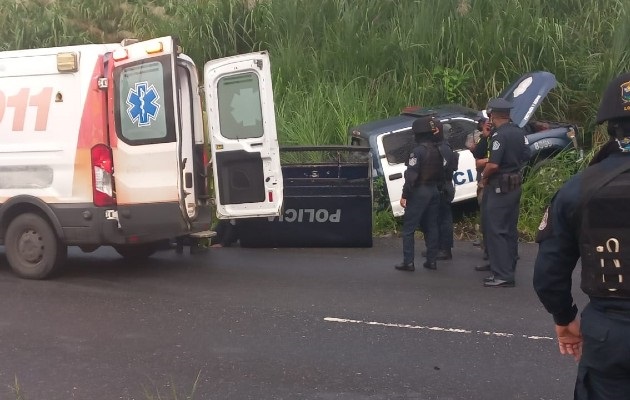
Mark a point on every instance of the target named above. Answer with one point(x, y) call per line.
point(435, 328)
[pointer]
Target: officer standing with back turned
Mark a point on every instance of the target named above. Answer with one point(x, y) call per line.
point(420, 194)
point(501, 180)
point(589, 217)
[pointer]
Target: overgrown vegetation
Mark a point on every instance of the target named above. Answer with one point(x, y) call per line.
point(341, 62)
point(173, 393)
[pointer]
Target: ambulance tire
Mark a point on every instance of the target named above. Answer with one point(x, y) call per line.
point(136, 252)
point(32, 248)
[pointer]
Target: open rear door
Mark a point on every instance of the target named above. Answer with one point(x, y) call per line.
point(145, 136)
point(244, 143)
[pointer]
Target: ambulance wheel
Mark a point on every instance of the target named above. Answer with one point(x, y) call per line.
point(136, 251)
point(32, 248)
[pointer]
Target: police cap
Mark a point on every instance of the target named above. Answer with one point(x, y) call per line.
point(615, 102)
point(499, 104)
point(425, 125)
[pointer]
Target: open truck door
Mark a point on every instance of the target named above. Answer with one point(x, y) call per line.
point(151, 160)
point(244, 143)
point(393, 150)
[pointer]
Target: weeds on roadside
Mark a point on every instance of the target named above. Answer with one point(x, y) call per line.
point(173, 393)
point(16, 390)
point(542, 184)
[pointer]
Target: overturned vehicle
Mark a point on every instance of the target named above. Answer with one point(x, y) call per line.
point(391, 139)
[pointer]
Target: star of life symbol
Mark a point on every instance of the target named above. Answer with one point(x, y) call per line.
point(246, 107)
point(142, 102)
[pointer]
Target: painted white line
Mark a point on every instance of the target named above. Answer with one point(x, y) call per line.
point(434, 328)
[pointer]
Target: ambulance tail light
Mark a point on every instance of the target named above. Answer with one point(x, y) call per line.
point(102, 176)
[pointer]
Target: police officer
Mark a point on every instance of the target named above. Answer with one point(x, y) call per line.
point(450, 163)
point(420, 193)
point(589, 218)
point(480, 152)
point(501, 179)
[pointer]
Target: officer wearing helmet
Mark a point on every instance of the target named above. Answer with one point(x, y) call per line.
point(420, 194)
point(450, 163)
point(589, 218)
point(501, 181)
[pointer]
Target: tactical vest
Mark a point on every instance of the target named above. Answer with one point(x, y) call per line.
point(605, 232)
point(431, 170)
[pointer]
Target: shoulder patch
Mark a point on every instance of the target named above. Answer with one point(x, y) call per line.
point(496, 145)
point(543, 221)
point(545, 229)
point(412, 160)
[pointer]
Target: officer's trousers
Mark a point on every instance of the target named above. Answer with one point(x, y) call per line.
point(444, 223)
point(499, 214)
point(604, 369)
point(423, 202)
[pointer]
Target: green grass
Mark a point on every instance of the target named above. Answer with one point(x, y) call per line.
point(342, 62)
point(540, 186)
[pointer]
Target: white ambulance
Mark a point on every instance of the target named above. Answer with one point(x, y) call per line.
point(104, 144)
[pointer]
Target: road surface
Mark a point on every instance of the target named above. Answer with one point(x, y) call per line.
point(236, 323)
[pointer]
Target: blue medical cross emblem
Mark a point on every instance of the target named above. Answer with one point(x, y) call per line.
point(142, 102)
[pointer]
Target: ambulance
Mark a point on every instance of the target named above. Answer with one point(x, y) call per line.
point(105, 145)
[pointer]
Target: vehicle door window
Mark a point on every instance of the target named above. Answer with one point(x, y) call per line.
point(398, 145)
point(456, 131)
point(143, 100)
point(240, 110)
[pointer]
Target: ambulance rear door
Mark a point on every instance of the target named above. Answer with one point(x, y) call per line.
point(244, 143)
point(150, 157)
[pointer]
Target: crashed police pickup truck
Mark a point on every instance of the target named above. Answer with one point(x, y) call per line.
point(391, 139)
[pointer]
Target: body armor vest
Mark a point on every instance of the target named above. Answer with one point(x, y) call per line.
point(431, 170)
point(605, 232)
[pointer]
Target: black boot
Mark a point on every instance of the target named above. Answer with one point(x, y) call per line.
point(441, 254)
point(444, 255)
point(405, 267)
point(430, 265)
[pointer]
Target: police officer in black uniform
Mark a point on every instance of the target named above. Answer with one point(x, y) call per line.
point(501, 180)
point(589, 217)
point(420, 193)
point(450, 163)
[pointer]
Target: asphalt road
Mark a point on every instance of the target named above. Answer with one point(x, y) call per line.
point(237, 323)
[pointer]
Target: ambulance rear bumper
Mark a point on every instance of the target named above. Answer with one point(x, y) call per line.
point(85, 224)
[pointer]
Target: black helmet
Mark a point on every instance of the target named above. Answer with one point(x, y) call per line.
point(615, 102)
point(424, 125)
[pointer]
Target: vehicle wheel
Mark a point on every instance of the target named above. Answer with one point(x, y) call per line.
point(136, 251)
point(541, 163)
point(538, 163)
point(32, 247)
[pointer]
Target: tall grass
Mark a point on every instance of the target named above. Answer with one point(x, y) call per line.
point(364, 59)
point(540, 186)
point(342, 62)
